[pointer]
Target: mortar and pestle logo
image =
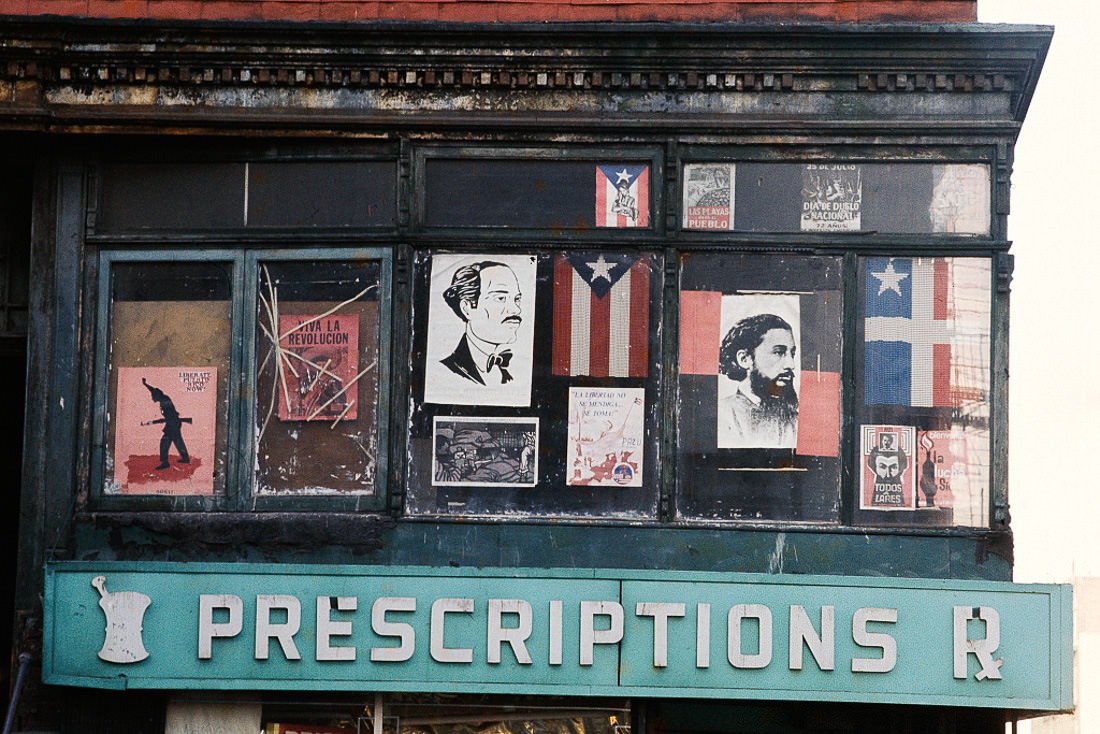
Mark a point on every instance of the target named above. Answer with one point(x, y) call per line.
point(124, 611)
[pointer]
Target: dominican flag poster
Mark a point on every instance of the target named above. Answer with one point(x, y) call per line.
point(926, 331)
point(622, 195)
point(601, 315)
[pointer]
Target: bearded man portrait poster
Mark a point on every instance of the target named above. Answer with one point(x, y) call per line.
point(759, 363)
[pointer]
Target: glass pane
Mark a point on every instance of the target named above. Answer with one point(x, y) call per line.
point(759, 400)
point(536, 384)
point(923, 416)
point(169, 371)
point(837, 197)
point(317, 369)
point(537, 194)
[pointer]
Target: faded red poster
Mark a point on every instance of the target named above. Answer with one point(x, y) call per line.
point(886, 468)
point(165, 420)
point(320, 364)
point(943, 469)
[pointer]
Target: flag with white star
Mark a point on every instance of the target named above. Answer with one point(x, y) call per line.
point(601, 315)
point(926, 331)
point(622, 195)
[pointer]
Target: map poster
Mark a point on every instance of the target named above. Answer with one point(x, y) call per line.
point(831, 197)
point(606, 435)
point(165, 424)
point(709, 196)
point(320, 364)
point(887, 457)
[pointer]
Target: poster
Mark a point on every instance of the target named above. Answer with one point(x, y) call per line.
point(320, 367)
point(499, 452)
point(622, 195)
point(481, 326)
point(165, 421)
point(758, 360)
point(944, 473)
point(831, 197)
point(606, 436)
point(601, 315)
point(888, 455)
point(960, 198)
point(709, 196)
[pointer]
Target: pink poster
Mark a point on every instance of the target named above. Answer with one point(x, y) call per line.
point(165, 423)
point(320, 366)
point(944, 470)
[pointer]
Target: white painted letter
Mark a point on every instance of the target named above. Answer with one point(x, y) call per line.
point(209, 629)
point(555, 632)
point(823, 648)
point(702, 636)
point(660, 611)
point(440, 609)
point(283, 632)
point(982, 649)
point(327, 628)
point(514, 636)
point(590, 636)
point(400, 630)
point(863, 638)
point(763, 615)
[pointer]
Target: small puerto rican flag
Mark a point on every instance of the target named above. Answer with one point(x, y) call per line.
point(622, 195)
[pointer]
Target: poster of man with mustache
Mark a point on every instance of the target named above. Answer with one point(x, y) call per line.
point(480, 330)
point(759, 357)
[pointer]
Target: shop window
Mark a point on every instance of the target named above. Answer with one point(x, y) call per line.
point(317, 377)
point(186, 395)
point(837, 197)
point(536, 384)
point(756, 364)
point(760, 386)
point(923, 391)
point(167, 400)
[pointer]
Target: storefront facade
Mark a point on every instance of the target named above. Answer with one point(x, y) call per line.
point(470, 376)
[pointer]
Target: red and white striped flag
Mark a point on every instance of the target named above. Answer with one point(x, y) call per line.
point(622, 195)
point(601, 315)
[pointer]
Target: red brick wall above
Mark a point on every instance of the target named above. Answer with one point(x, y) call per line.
point(842, 11)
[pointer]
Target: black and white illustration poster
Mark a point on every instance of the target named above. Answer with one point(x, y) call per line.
point(758, 361)
point(501, 452)
point(887, 476)
point(709, 196)
point(832, 195)
point(481, 325)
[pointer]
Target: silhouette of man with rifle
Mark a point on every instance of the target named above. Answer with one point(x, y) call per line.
point(172, 423)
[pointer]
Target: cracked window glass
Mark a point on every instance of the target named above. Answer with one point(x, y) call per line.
point(317, 377)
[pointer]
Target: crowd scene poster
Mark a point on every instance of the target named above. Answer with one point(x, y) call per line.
point(831, 198)
point(485, 452)
point(709, 196)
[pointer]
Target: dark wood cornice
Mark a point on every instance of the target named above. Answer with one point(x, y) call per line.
point(58, 72)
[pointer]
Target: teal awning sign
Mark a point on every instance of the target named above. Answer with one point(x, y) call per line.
point(560, 632)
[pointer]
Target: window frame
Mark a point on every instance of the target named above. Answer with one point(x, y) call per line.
point(241, 478)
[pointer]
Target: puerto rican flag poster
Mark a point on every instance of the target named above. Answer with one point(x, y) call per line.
point(622, 195)
point(926, 331)
point(601, 314)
